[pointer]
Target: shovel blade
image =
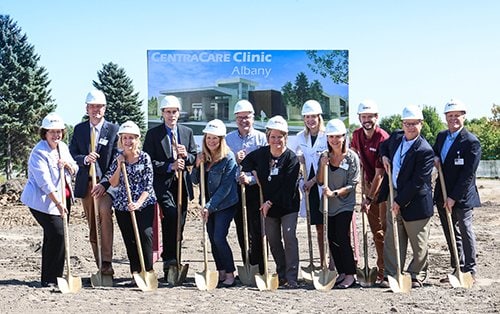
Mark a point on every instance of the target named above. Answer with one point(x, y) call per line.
point(400, 284)
point(461, 280)
point(100, 280)
point(177, 274)
point(324, 279)
point(247, 274)
point(146, 281)
point(206, 280)
point(267, 283)
point(367, 276)
point(70, 284)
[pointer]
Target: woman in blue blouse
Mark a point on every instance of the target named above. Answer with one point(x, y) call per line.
point(221, 196)
point(140, 176)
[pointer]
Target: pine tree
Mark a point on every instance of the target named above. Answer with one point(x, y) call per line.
point(24, 97)
point(122, 102)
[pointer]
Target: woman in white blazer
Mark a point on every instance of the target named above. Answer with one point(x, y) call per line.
point(43, 196)
point(311, 142)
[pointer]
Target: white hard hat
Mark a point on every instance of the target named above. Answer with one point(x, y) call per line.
point(129, 127)
point(335, 127)
point(367, 106)
point(412, 112)
point(243, 105)
point(311, 107)
point(277, 123)
point(53, 121)
point(215, 127)
point(454, 105)
point(95, 97)
point(170, 101)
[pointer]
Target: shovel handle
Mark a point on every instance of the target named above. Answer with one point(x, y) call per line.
point(325, 218)
point(394, 223)
point(449, 220)
point(202, 196)
point(134, 221)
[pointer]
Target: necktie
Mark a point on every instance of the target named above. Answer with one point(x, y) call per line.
point(173, 143)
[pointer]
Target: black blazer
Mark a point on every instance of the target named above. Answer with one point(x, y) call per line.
point(157, 145)
point(414, 192)
point(79, 147)
point(460, 180)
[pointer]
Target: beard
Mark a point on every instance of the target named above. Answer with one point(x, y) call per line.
point(368, 126)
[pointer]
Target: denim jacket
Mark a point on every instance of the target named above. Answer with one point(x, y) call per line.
point(221, 183)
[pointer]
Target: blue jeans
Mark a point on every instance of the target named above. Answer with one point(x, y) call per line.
point(217, 228)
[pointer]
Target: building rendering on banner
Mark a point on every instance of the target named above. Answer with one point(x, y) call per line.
point(217, 102)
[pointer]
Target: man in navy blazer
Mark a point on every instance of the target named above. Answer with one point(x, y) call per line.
point(411, 159)
point(458, 153)
point(104, 152)
point(171, 147)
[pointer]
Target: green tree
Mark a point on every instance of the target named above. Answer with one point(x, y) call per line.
point(288, 95)
point(433, 124)
point(122, 101)
point(301, 89)
point(391, 123)
point(153, 107)
point(333, 64)
point(24, 97)
point(488, 133)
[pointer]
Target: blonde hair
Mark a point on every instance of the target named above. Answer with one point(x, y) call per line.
point(221, 152)
point(321, 125)
point(137, 144)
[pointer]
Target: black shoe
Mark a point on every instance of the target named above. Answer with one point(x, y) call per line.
point(228, 285)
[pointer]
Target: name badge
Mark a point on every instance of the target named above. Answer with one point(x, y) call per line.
point(344, 165)
point(139, 167)
point(103, 141)
point(459, 161)
point(274, 171)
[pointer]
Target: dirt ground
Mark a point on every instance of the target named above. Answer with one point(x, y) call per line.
point(20, 291)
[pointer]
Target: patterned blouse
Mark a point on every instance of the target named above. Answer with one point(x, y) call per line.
point(140, 177)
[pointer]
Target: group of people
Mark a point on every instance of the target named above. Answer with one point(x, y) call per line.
point(269, 169)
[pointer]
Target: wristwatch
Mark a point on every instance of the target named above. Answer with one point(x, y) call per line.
point(335, 194)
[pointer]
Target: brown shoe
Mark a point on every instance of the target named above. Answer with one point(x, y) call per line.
point(107, 269)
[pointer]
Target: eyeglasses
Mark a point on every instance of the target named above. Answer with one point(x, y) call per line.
point(241, 118)
point(411, 124)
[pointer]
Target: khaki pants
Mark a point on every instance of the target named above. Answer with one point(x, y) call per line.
point(106, 224)
point(417, 233)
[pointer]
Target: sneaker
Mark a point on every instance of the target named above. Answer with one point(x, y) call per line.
point(384, 284)
point(415, 283)
point(291, 285)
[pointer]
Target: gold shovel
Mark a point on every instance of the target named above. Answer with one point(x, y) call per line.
point(366, 275)
point(207, 279)
point(145, 280)
point(177, 273)
point(246, 272)
point(98, 279)
point(70, 284)
point(401, 282)
point(266, 281)
point(458, 279)
point(324, 279)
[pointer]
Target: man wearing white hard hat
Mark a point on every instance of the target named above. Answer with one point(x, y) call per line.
point(172, 148)
point(221, 196)
point(458, 153)
point(366, 142)
point(411, 160)
point(42, 194)
point(140, 180)
point(311, 142)
point(104, 136)
point(243, 141)
point(277, 169)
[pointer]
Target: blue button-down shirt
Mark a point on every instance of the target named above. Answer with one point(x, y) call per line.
point(399, 158)
point(450, 138)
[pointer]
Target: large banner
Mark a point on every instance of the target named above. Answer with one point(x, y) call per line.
point(208, 83)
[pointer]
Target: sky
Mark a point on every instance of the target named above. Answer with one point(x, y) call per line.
point(400, 52)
